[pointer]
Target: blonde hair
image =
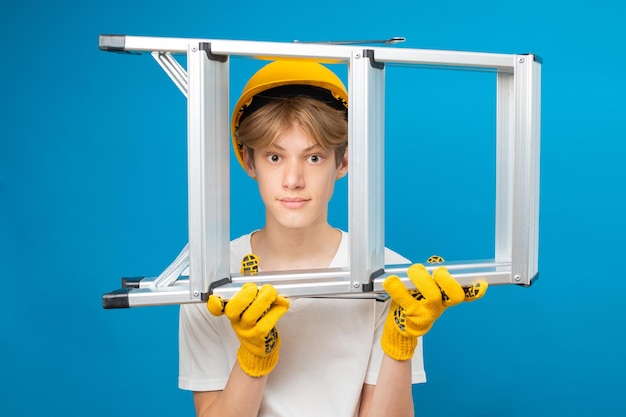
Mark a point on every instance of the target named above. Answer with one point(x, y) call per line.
point(327, 126)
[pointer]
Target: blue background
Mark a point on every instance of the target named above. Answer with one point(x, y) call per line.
point(93, 187)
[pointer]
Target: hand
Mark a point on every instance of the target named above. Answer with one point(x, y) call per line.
point(253, 314)
point(413, 312)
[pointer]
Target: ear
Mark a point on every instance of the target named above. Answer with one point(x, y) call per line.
point(342, 168)
point(248, 162)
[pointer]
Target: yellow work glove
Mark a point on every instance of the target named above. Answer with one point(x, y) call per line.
point(413, 312)
point(253, 314)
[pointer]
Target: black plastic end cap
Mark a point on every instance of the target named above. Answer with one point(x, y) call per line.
point(116, 299)
point(112, 43)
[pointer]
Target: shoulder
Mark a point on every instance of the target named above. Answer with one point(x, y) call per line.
point(239, 248)
point(242, 243)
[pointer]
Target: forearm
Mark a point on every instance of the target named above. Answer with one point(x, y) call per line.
point(229, 402)
point(393, 395)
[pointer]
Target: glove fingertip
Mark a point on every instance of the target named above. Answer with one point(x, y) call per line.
point(441, 271)
point(390, 282)
point(452, 290)
point(420, 276)
point(250, 287)
point(476, 291)
point(268, 290)
point(283, 302)
point(417, 268)
point(215, 305)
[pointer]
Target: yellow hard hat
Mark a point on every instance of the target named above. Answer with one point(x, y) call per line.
point(280, 79)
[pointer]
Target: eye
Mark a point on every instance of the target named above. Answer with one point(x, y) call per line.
point(273, 158)
point(316, 158)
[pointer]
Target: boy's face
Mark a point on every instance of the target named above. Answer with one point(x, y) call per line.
point(296, 179)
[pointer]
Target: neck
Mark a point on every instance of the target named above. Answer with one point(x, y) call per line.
point(280, 248)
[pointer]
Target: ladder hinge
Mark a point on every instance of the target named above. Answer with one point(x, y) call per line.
point(369, 287)
point(206, 47)
point(369, 53)
point(213, 285)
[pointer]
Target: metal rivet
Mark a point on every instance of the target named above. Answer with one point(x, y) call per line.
point(196, 293)
point(357, 56)
point(518, 278)
point(356, 285)
point(194, 49)
point(521, 60)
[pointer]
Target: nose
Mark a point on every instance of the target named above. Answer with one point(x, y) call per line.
point(293, 175)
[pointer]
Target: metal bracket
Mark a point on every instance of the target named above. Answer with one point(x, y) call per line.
point(206, 47)
point(369, 53)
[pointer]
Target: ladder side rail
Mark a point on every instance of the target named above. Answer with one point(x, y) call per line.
point(144, 297)
point(377, 175)
point(257, 49)
point(535, 136)
point(392, 55)
point(327, 273)
point(337, 53)
point(464, 278)
point(376, 172)
point(461, 59)
point(338, 282)
point(208, 170)
point(304, 283)
point(129, 43)
point(366, 170)
point(505, 163)
point(325, 53)
point(526, 181)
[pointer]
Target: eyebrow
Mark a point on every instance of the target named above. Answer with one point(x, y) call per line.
point(280, 148)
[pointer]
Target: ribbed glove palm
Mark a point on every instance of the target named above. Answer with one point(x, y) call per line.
point(413, 312)
point(253, 314)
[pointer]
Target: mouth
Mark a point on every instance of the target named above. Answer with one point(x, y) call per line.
point(293, 202)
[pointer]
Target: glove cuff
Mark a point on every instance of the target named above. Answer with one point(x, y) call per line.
point(256, 365)
point(396, 346)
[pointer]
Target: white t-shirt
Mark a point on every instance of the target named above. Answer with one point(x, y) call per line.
point(330, 347)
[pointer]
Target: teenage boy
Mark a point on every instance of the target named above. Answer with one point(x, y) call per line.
point(338, 357)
